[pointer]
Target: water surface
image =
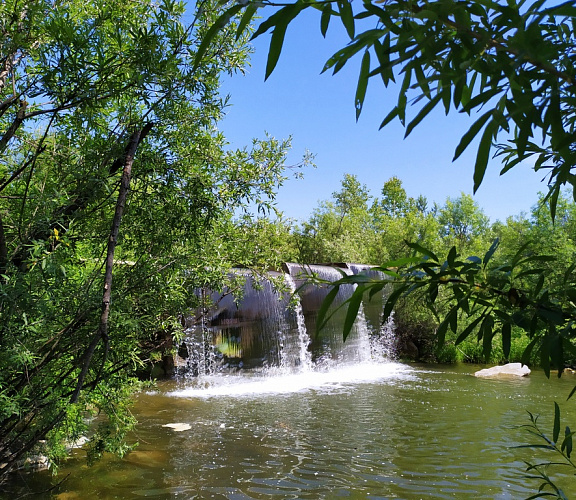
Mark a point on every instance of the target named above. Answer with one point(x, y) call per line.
point(362, 431)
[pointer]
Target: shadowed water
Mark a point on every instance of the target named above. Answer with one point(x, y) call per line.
point(364, 431)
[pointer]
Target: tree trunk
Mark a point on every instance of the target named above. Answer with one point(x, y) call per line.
point(102, 334)
point(3, 251)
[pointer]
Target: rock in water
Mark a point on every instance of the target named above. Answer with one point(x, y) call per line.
point(179, 426)
point(509, 370)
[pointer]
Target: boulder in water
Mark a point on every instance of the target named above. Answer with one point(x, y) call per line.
point(510, 370)
point(178, 427)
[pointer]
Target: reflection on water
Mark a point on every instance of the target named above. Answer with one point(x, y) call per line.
point(366, 431)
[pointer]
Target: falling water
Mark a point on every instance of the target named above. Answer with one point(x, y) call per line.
point(302, 354)
point(271, 331)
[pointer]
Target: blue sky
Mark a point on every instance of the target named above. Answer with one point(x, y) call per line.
point(317, 110)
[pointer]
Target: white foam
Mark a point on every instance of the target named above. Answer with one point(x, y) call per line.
point(330, 380)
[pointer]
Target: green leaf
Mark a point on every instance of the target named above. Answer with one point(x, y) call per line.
point(452, 254)
point(277, 40)
point(536, 258)
point(325, 18)
point(556, 431)
point(568, 273)
point(564, 9)
point(362, 83)
point(553, 196)
point(278, 17)
point(220, 23)
point(441, 332)
point(506, 339)
point(482, 98)
point(491, 251)
point(374, 289)
point(469, 136)
point(347, 16)
point(391, 301)
point(530, 272)
point(557, 353)
point(422, 80)
point(468, 330)
point(503, 316)
point(326, 303)
point(539, 285)
point(354, 303)
point(453, 318)
point(518, 254)
point(527, 354)
point(402, 100)
point(422, 250)
point(382, 51)
point(429, 106)
point(483, 154)
point(487, 336)
point(567, 443)
point(341, 57)
point(251, 9)
point(389, 117)
point(397, 263)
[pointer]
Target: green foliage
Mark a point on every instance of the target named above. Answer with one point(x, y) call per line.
point(461, 221)
point(492, 298)
point(348, 228)
point(117, 193)
point(512, 62)
point(563, 448)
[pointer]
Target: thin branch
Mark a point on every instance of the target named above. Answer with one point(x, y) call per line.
point(20, 116)
point(102, 333)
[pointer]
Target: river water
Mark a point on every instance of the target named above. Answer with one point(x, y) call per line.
point(363, 431)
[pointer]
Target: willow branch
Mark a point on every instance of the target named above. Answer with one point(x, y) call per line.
point(20, 115)
point(102, 334)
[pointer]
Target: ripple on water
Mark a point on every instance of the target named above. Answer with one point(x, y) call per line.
point(387, 432)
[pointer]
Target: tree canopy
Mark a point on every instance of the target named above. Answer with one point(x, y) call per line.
point(116, 191)
point(510, 64)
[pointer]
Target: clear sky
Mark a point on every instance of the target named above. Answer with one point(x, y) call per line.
point(317, 110)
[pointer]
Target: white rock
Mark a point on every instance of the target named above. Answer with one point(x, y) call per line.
point(81, 441)
point(178, 427)
point(509, 370)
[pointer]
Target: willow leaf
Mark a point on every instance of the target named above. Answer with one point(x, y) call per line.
point(422, 250)
point(362, 83)
point(556, 431)
point(483, 154)
point(347, 16)
point(246, 18)
point(322, 312)
point(491, 251)
point(506, 339)
point(352, 313)
point(429, 106)
point(220, 23)
point(277, 40)
point(389, 117)
point(325, 18)
point(469, 136)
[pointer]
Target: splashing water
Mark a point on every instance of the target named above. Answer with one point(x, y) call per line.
point(264, 343)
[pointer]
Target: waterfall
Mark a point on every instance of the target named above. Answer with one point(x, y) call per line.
point(270, 326)
point(301, 358)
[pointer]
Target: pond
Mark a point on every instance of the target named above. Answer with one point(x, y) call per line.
point(366, 430)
